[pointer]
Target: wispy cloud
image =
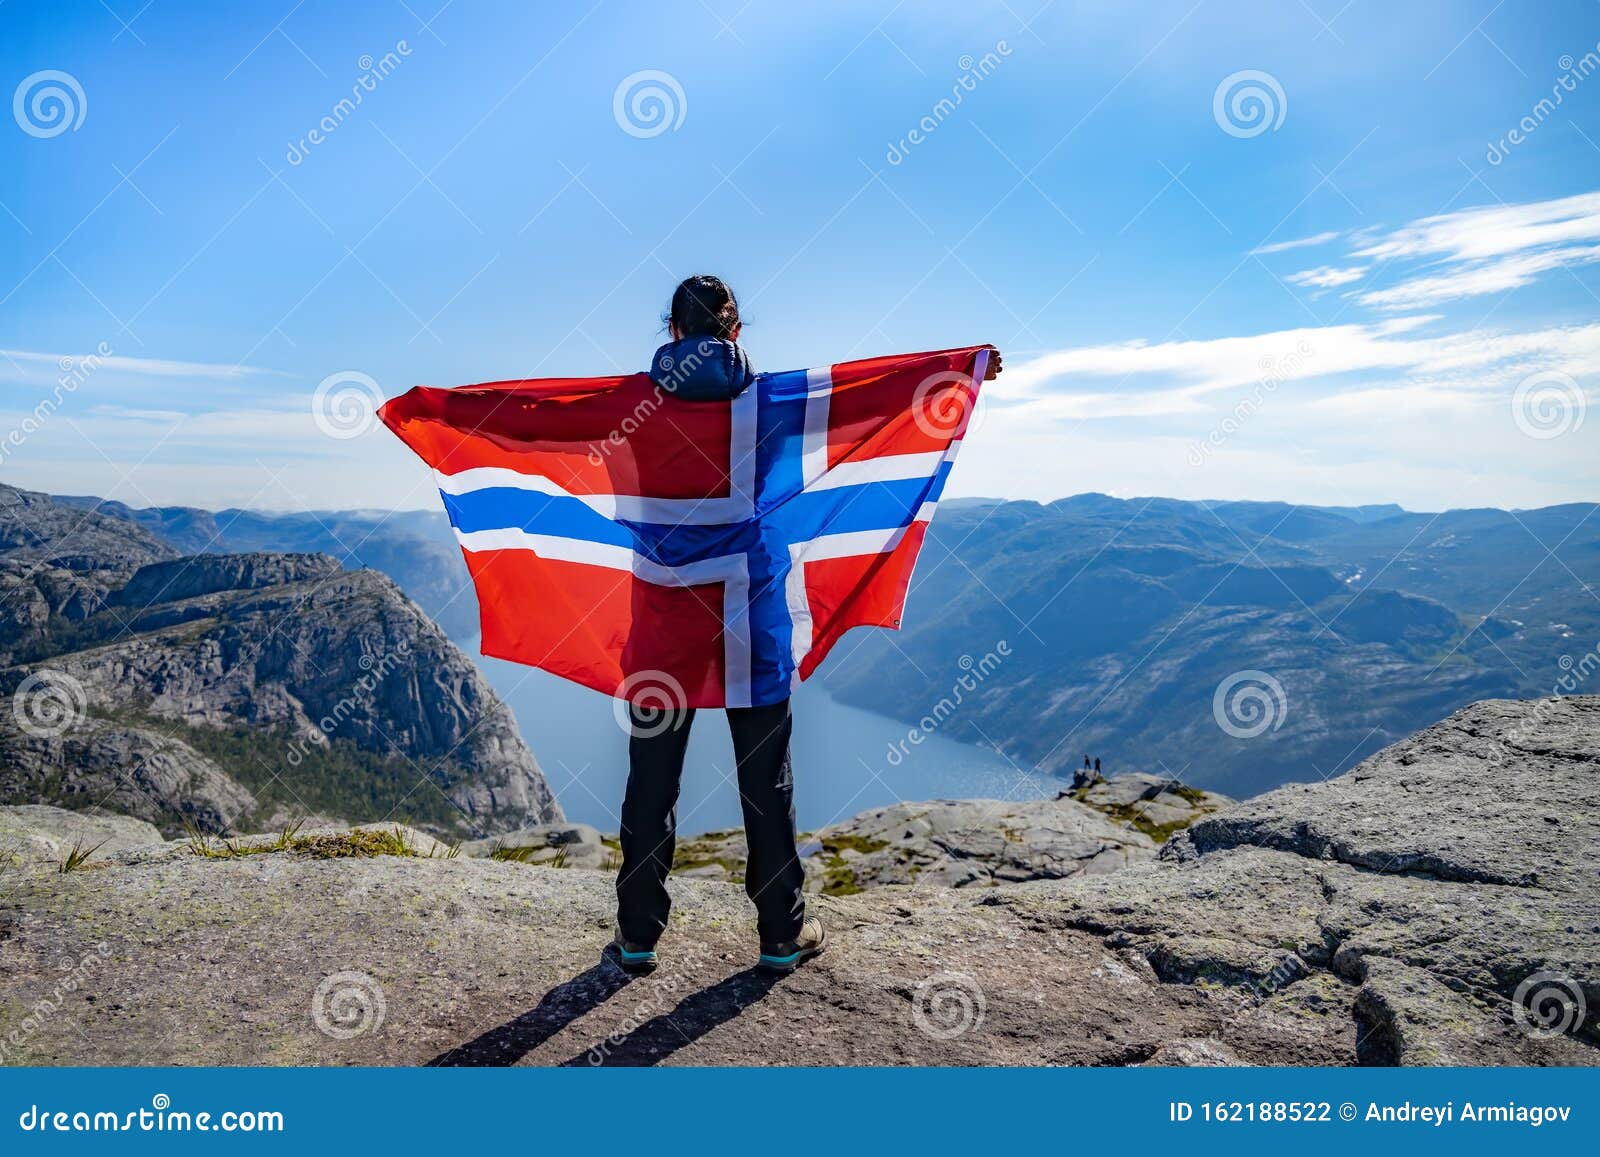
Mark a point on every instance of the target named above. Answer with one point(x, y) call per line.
point(1467, 253)
point(1327, 276)
point(1138, 379)
point(1297, 243)
point(141, 367)
point(1494, 231)
point(1478, 278)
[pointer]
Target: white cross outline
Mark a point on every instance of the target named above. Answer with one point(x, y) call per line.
point(732, 571)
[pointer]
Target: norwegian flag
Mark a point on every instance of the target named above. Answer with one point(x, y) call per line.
point(702, 554)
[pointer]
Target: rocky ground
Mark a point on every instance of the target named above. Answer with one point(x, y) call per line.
point(956, 843)
point(1409, 912)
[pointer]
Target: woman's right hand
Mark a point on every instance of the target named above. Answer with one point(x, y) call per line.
point(995, 366)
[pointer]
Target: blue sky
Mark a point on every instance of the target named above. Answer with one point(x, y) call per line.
point(1362, 290)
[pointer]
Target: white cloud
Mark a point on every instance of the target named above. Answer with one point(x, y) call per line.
point(1478, 278)
point(1298, 243)
point(1493, 231)
point(1327, 276)
point(141, 367)
point(1466, 253)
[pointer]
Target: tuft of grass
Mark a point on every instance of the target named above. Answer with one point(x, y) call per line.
point(199, 842)
point(287, 835)
point(838, 878)
point(77, 856)
point(362, 843)
point(864, 845)
point(513, 855)
point(357, 842)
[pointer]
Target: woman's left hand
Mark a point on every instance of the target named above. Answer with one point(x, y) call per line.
point(995, 366)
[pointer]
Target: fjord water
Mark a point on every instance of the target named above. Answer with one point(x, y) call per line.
point(845, 760)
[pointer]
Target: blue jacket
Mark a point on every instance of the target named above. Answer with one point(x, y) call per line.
point(702, 369)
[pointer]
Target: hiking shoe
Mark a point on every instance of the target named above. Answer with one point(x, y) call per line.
point(784, 958)
point(635, 959)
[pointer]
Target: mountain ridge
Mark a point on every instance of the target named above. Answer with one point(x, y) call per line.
point(219, 690)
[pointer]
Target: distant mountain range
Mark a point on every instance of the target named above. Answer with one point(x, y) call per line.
point(1332, 631)
point(415, 548)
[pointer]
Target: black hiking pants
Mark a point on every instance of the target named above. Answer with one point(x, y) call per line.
point(774, 878)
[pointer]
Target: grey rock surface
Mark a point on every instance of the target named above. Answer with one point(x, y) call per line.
point(558, 845)
point(134, 771)
point(1220, 951)
point(964, 842)
point(32, 834)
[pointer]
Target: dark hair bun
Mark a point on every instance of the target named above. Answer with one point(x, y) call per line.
point(704, 306)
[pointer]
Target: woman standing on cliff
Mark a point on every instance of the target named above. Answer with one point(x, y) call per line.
point(704, 362)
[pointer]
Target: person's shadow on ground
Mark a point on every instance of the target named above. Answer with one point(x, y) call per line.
point(645, 1043)
point(697, 1014)
point(562, 1005)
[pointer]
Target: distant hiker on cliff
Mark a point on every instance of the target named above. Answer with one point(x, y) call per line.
point(699, 535)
